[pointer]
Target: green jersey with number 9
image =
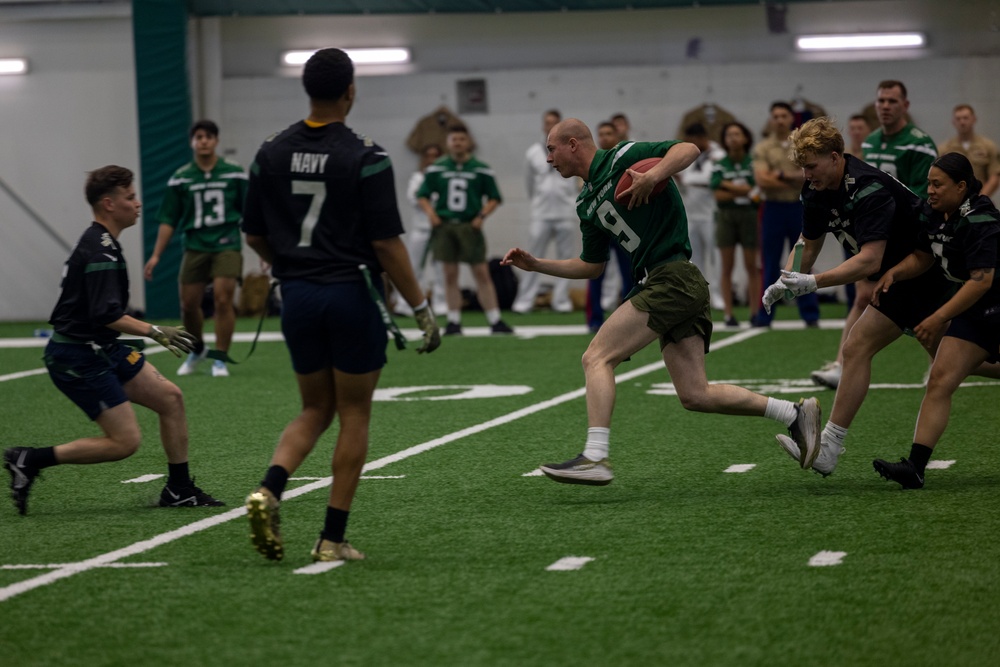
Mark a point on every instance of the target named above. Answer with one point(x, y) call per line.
point(652, 233)
point(206, 206)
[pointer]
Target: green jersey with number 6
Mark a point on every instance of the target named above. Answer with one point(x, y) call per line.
point(652, 234)
point(906, 155)
point(206, 206)
point(460, 188)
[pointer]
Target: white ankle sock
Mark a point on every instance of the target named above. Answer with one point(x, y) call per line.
point(780, 410)
point(493, 316)
point(455, 316)
point(833, 434)
point(597, 443)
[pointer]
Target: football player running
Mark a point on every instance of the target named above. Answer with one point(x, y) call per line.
point(669, 303)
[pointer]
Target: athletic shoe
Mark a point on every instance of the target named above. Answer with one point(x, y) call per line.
point(22, 476)
point(903, 472)
point(828, 376)
point(805, 430)
point(732, 322)
point(326, 551)
point(187, 496)
point(563, 307)
point(453, 329)
point(826, 461)
point(191, 363)
point(580, 470)
point(501, 328)
point(265, 523)
point(219, 369)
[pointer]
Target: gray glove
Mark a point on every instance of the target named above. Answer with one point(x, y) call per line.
point(175, 339)
point(427, 323)
point(773, 294)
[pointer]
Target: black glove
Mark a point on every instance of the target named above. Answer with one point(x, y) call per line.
point(427, 323)
point(175, 339)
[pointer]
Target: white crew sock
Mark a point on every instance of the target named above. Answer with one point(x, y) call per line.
point(454, 316)
point(781, 410)
point(493, 316)
point(834, 435)
point(597, 443)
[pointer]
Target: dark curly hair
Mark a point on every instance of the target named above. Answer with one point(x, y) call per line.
point(327, 74)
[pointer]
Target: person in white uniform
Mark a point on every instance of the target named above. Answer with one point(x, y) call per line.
point(418, 237)
point(699, 202)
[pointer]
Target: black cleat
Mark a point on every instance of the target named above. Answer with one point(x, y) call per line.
point(501, 327)
point(22, 476)
point(453, 329)
point(187, 496)
point(904, 472)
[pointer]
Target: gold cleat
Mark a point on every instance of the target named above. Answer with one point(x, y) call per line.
point(326, 551)
point(265, 524)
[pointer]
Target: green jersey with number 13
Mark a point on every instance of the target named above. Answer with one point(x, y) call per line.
point(206, 206)
point(652, 233)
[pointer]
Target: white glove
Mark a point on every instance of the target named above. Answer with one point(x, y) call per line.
point(773, 294)
point(798, 283)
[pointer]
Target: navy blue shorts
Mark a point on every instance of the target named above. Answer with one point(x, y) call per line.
point(332, 326)
point(910, 302)
point(93, 379)
point(980, 325)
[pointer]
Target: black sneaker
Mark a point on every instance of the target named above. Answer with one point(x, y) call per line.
point(22, 476)
point(453, 329)
point(501, 328)
point(732, 322)
point(187, 496)
point(903, 472)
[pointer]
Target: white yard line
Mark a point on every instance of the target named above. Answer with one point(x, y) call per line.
point(319, 568)
point(142, 479)
point(569, 563)
point(826, 558)
point(741, 467)
point(12, 590)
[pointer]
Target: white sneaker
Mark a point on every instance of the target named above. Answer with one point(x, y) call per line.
point(219, 369)
point(191, 363)
point(826, 461)
point(805, 430)
point(580, 470)
point(828, 376)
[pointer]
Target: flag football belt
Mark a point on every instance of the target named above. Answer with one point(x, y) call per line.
point(224, 356)
point(397, 335)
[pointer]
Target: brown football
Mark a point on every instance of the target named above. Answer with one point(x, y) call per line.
point(625, 182)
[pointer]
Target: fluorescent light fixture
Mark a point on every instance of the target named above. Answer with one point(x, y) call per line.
point(896, 40)
point(13, 66)
point(359, 56)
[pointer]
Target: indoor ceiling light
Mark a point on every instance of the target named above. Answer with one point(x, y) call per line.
point(359, 56)
point(13, 66)
point(895, 40)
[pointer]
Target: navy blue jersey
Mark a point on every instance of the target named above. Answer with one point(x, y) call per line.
point(869, 205)
point(967, 240)
point(321, 195)
point(94, 289)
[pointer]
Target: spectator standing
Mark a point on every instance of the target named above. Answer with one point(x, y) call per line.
point(982, 152)
point(553, 219)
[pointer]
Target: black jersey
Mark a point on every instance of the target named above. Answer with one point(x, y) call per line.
point(94, 290)
point(967, 240)
point(321, 195)
point(870, 205)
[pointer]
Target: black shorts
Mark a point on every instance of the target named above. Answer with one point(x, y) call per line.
point(93, 378)
point(332, 326)
point(980, 325)
point(910, 302)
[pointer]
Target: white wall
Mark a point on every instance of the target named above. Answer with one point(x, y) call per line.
point(76, 110)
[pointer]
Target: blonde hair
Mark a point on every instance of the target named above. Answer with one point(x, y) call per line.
point(818, 136)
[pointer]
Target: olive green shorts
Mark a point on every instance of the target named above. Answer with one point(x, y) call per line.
point(455, 242)
point(736, 226)
point(203, 267)
point(675, 295)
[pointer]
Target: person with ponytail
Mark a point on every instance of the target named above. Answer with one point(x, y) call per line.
point(961, 233)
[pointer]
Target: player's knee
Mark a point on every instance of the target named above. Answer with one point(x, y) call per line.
point(124, 444)
point(171, 400)
point(695, 401)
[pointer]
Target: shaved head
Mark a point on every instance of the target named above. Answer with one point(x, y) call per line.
point(571, 148)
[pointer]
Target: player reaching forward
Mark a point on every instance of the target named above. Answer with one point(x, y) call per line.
point(670, 301)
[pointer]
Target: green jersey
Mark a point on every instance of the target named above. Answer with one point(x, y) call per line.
point(737, 173)
point(652, 234)
point(459, 188)
point(207, 206)
point(906, 155)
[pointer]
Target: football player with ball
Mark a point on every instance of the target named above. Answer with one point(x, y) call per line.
point(638, 207)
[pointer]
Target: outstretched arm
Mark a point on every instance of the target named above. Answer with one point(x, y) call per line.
point(561, 268)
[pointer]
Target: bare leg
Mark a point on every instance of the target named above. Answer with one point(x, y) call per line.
point(623, 334)
point(319, 405)
point(151, 390)
point(451, 292)
point(485, 289)
point(686, 362)
point(354, 406)
point(955, 360)
point(750, 256)
point(191, 315)
point(224, 289)
point(121, 439)
point(863, 290)
point(872, 332)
